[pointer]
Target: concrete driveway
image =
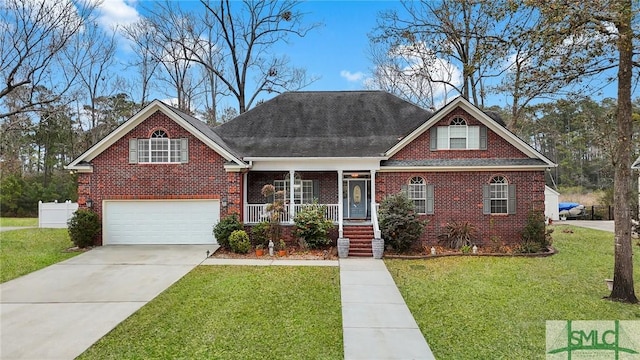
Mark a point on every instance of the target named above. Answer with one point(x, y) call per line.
point(604, 225)
point(59, 311)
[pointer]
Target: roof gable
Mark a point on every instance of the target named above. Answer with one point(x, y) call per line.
point(194, 126)
point(323, 124)
point(483, 118)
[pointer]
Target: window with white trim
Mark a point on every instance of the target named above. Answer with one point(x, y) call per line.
point(458, 136)
point(499, 193)
point(159, 149)
point(303, 189)
point(417, 192)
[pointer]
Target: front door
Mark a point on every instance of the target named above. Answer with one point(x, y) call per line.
point(357, 199)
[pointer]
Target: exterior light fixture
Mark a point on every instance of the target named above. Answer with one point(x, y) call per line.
point(224, 202)
point(89, 203)
point(474, 249)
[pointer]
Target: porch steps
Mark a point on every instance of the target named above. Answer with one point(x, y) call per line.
point(360, 237)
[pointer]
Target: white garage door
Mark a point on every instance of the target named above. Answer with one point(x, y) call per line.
point(160, 221)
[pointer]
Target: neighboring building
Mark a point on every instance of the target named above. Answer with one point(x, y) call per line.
point(166, 177)
point(551, 204)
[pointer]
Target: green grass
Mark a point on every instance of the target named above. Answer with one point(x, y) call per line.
point(496, 307)
point(235, 312)
point(6, 222)
point(28, 250)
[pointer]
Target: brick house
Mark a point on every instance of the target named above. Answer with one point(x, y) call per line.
point(164, 176)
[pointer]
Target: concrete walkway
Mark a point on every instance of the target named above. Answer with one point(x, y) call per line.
point(376, 322)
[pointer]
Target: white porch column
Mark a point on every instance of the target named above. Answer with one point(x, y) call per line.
point(292, 205)
point(245, 193)
point(340, 208)
point(374, 211)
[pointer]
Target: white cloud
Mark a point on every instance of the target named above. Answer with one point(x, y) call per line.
point(116, 13)
point(352, 77)
point(415, 73)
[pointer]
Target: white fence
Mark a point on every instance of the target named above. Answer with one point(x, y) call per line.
point(55, 215)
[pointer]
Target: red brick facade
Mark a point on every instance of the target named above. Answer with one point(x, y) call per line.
point(202, 177)
point(457, 195)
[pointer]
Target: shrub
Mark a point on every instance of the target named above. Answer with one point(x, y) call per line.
point(260, 233)
point(458, 234)
point(225, 227)
point(312, 226)
point(83, 227)
point(535, 235)
point(399, 223)
point(239, 242)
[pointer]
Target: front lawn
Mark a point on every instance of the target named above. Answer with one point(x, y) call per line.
point(6, 222)
point(496, 308)
point(235, 312)
point(28, 250)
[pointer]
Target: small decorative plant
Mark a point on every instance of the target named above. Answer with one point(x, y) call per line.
point(225, 227)
point(239, 242)
point(465, 249)
point(83, 227)
point(536, 237)
point(400, 225)
point(312, 225)
point(282, 245)
point(275, 209)
point(458, 234)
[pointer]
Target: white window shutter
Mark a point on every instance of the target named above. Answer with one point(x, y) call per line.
point(184, 150)
point(473, 141)
point(133, 151)
point(443, 137)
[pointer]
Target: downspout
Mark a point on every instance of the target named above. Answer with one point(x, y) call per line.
point(292, 207)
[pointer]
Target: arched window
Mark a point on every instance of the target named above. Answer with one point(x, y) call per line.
point(458, 133)
point(499, 192)
point(159, 148)
point(458, 136)
point(418, 194)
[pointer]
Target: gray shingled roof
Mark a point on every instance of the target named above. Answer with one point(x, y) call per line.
point(327, 123)
point(464, 162)
point(203, 128)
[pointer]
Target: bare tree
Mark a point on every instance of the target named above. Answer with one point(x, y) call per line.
point(245, 33)
point(449, 33)
point(33, 35)
point(92, 56)
point(583, 41)
point(141, 35)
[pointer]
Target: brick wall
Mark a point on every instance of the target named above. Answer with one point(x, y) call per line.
point(203, 177)
point(458, 197)
point(497, 146)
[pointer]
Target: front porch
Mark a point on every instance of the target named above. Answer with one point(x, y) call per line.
point(346, 195)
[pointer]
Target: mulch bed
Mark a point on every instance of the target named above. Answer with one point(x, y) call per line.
point(291, 254)
point(443, 252)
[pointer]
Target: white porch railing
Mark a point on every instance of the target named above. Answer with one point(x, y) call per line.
point(255, 213)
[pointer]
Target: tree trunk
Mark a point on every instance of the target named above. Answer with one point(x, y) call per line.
point(623, 270)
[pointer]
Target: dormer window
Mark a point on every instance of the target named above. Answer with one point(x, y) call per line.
point(458, 136)
point(159, 148)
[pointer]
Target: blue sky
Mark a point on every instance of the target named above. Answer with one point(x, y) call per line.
point(336, 52)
